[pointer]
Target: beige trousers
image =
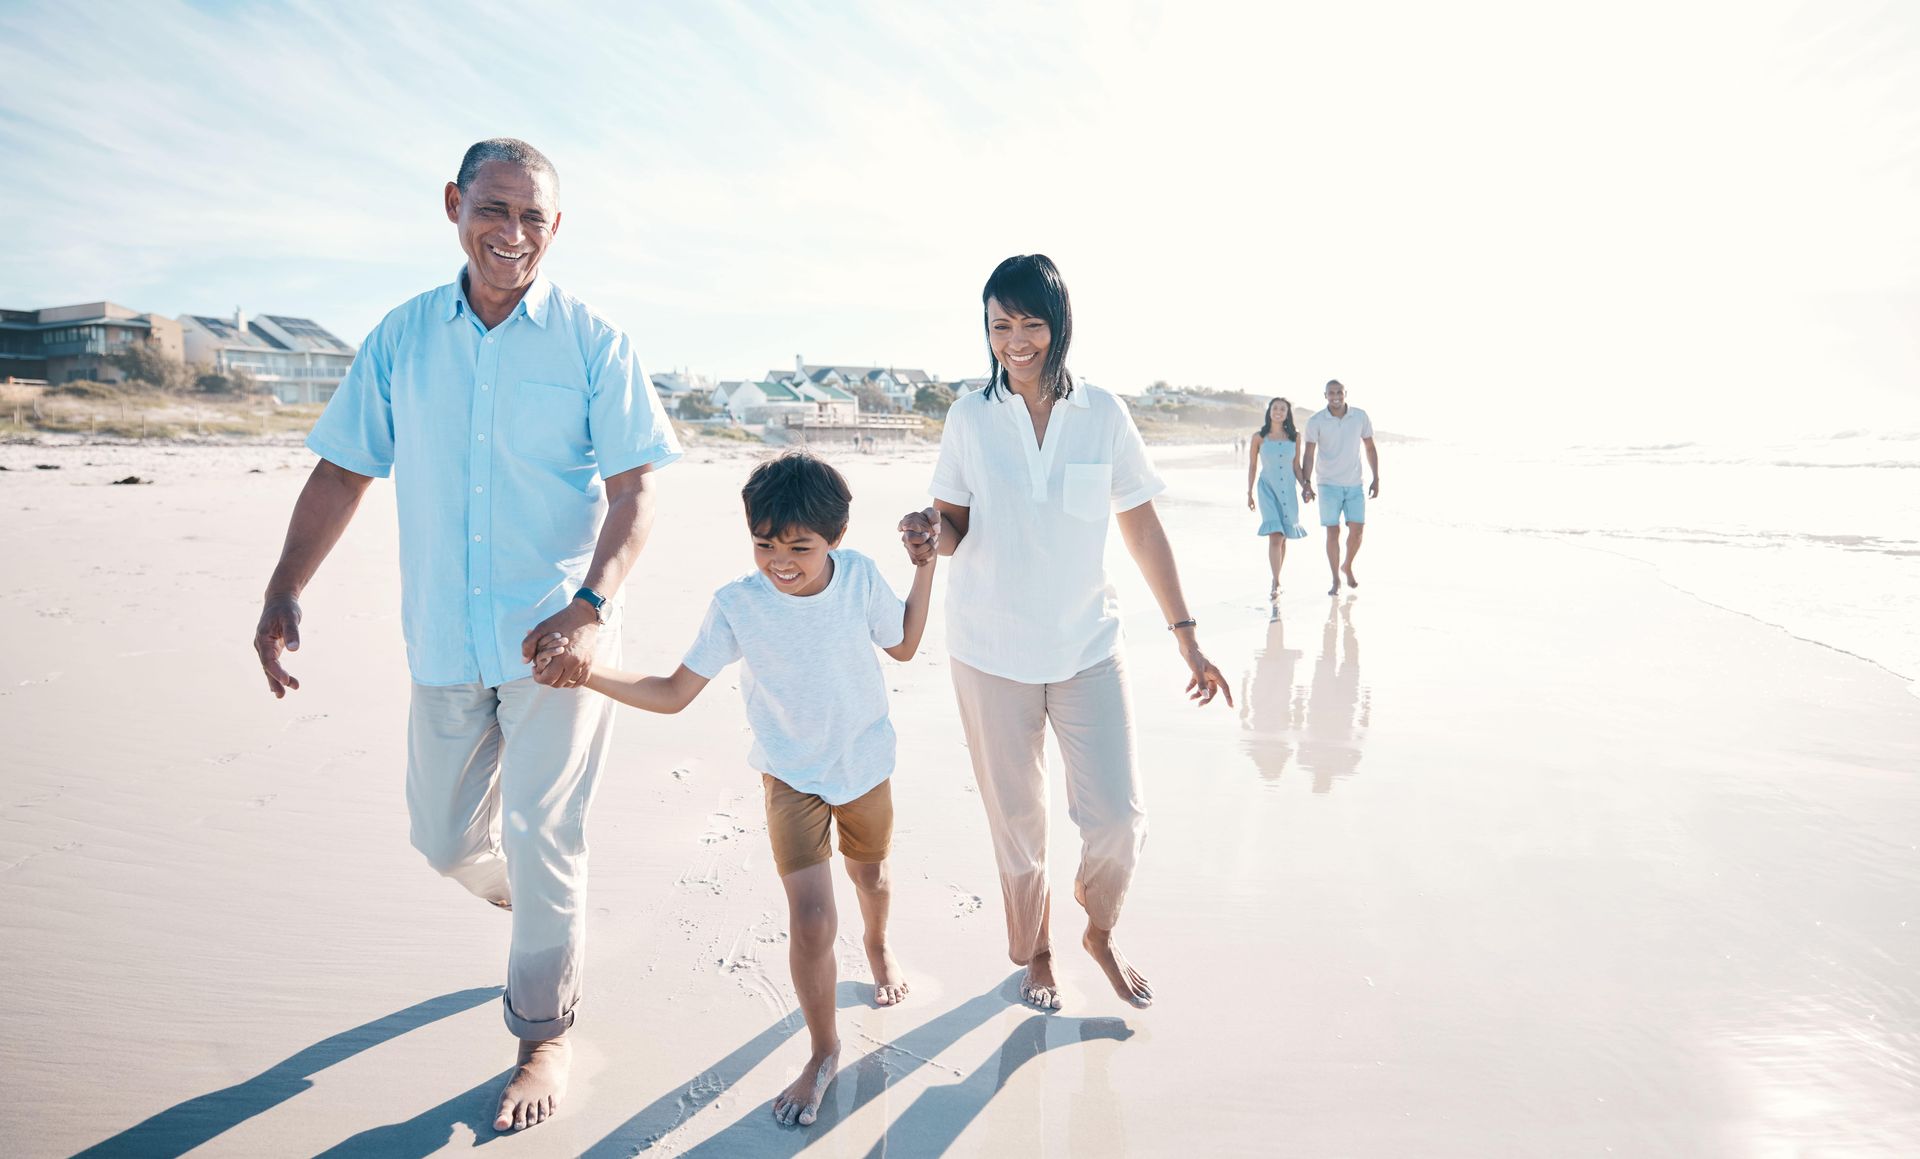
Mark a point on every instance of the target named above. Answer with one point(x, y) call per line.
point(498, 784)
point(1092, 718)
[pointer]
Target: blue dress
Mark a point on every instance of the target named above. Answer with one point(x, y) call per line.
point(1279, 503)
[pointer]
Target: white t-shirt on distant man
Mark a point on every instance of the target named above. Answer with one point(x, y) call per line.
point(1338, 460)
point(815, 694)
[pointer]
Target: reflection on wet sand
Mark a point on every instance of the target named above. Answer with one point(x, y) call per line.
point(1325, 723)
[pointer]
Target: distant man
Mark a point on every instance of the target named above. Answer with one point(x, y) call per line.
point(522, 432)
point(1334, 438)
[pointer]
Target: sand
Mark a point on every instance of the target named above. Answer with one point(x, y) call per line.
point(1518, 851)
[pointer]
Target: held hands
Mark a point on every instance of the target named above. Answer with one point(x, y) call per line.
point(1306, 492)
point(920, 532)
point(279, 628)
point(560, 647)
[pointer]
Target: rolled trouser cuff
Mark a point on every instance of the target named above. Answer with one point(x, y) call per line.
point(528, 1030)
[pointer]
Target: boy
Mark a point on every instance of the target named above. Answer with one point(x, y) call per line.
point(804, 623)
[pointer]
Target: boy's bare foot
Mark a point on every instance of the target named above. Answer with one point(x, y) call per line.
point(1038, 988)
point(1127, 981)
point(800, 1103)
point(532, 1094)
point(889, 983)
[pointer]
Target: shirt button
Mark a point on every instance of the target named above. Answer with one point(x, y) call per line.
point(476, 539)
point(489, 337)
point(483, 386)
point(476, 591)
point(483, 438)
point(477, 490)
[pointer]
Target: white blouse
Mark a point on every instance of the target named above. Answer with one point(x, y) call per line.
point(1027, 591)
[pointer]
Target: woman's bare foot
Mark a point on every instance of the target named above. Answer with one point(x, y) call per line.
point(889, 983)
point(532, 1094)
point(800, 1103)
point(1038, 988)
point(1273, 593)
point(1127, 981)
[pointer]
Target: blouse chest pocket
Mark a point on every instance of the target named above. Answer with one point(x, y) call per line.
point(549, 424)
point(1086, 490)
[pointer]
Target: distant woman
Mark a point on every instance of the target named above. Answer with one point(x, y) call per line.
point(1273, 472)
point(1032, 471)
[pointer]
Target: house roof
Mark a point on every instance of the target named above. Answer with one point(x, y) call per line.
point(305, 333)
point(779, 392)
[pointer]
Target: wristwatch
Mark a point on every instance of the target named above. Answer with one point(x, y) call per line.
point(596, 601)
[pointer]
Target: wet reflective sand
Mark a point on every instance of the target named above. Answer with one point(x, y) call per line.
point(1516, 851)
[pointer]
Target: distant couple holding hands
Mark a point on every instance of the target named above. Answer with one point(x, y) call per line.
point(522, 434)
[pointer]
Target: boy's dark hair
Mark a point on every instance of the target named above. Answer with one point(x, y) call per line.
point(797, 490)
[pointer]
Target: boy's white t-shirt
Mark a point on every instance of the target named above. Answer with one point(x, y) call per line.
point(815, 694)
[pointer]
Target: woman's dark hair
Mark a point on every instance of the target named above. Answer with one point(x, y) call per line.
point(796, 490)
point(1286, 428)
point(1030, 285)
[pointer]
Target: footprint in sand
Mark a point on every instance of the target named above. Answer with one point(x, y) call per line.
point(223, 759)
point(965, 903)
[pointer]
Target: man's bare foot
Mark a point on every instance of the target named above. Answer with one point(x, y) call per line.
point(1127, 981)
point(800, 1103)
point(1351, 582)
point(1038, 988)
point(889, 983)
point(1335, 589)
point(532, 1095)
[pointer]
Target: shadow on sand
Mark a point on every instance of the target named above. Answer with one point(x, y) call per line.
point(927, 1126)
point(184, 1126)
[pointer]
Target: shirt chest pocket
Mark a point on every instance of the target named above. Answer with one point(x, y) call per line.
point(1086, 489)
point(549, 424)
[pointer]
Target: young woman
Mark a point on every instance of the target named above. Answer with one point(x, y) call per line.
point(1032, 471)
point(1274, 456)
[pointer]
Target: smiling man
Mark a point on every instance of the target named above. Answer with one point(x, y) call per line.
point(520, 430)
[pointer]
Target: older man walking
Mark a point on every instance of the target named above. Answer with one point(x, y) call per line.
point(520, 430)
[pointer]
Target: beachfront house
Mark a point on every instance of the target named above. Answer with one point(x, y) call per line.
point(676, 385)
point(765, 402)
point(75, 343)
point(899, 386)
point(297, 359)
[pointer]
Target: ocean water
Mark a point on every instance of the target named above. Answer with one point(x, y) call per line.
point(1820, 537)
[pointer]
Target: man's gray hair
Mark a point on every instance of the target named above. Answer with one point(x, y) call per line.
point(510, 149)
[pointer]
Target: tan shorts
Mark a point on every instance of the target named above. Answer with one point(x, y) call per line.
point(797, 823)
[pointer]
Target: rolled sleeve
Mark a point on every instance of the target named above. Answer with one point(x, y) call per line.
point(1134, 479)
point(949, 470)
point(627, 422)
point(356, 429)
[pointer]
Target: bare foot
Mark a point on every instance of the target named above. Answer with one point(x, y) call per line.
point(1273, 593)
point(1351, 582)
point(1038, 988)
point(1335, 589)
point(532, 1095)
point(889, 984)
point(505, 905)
point(1127, 981)
point(800, 1103)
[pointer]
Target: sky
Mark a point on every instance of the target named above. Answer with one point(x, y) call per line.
point(1632, 222)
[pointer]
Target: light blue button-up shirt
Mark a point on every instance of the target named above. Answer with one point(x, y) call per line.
point(499, 442)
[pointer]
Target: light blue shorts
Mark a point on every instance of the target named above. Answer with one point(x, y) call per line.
point(1337, 500)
